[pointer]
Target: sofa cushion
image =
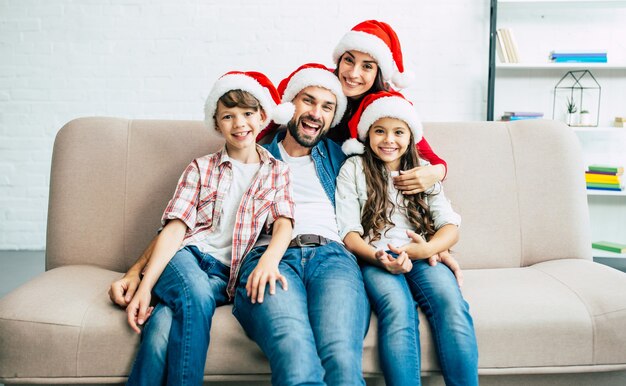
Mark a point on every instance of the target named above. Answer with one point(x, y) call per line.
point(546, 318)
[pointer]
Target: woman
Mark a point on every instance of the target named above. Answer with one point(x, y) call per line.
point(368, 58)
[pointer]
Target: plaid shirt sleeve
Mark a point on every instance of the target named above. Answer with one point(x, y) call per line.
point(183, 205)
point(283, 205)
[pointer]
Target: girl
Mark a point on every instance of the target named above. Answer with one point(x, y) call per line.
point(393, 235)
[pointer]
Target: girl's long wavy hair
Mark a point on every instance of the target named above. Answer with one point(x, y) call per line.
point(341, 132)
point(379, 206)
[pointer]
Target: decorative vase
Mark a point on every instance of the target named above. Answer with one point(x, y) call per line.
point(570, 119)
point(585, 119)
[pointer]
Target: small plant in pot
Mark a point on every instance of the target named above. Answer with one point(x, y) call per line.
point(585, 118)
point(571, 111)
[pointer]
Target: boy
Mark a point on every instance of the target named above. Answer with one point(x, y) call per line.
point(218, 211)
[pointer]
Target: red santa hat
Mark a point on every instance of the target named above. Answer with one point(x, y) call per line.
point(382, 104)
point(379, 40)
point(314, 74)
point(259, 86)
point(307, 75)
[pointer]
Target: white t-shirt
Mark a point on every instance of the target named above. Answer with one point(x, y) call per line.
point(220, 243)
point(396, 235)
point(314, 212)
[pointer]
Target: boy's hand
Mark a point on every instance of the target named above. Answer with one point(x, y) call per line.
point(264, 273)
point(139, 310)
point(122, 291)
point(399, 265)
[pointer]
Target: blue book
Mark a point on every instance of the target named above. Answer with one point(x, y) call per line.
point(612, 189)
point(582, 54)
point(579, 60)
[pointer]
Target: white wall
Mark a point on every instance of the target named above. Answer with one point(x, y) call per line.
point(62, 59)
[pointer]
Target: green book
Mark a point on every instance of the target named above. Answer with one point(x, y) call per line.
point(601, 185)
point(606, 168)
point(609, 246)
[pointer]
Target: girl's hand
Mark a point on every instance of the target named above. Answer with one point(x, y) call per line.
point(139, 310)
point(264, 273)
point(401, 264)
point(417, 249)
point(418, 179)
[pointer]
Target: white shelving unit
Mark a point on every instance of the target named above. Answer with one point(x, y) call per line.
point(540, 26)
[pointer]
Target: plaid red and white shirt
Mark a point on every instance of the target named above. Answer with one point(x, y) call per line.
point(204, 185)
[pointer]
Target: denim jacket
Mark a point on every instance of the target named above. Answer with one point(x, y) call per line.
point(327, 156)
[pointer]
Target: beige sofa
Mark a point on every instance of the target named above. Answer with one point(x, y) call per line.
point(544, 312)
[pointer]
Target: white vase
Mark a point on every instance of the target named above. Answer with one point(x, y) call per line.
point(570, 119)
point(585, 119)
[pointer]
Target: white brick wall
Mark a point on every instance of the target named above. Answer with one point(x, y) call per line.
point(62, 59)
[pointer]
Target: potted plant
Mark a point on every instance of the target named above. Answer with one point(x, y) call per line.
point(571, 110)
point(585, 118)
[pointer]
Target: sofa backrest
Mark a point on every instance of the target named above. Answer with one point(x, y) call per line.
point(519, 188)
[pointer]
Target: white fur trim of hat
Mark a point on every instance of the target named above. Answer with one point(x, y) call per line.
point(391, 107)
point(308, 77)
point(247, 83)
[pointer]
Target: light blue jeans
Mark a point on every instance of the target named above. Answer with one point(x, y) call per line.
point(437, 293)
point(312, 333)
point(435, 290)
point(398, 342)
point(176, 338)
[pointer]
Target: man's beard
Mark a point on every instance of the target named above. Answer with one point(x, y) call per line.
point(305, 140)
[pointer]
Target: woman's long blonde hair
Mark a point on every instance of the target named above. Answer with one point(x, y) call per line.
point(379, 207)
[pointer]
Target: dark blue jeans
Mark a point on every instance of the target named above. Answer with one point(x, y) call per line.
point(312, 333)
point(176, 338)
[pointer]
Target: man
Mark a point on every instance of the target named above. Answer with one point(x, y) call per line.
point(313, 332)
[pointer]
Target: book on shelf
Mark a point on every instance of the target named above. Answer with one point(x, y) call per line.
point(501, 50)
point(520, 115)
point(603, 186)
point(609, 246)
point(619, 170)
point(507, 44)
point(603, 178)
point(589, 56)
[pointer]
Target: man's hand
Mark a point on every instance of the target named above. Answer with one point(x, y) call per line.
point(446, 258)
point(399, 265)
point(139, 310)
point(418, 179)
point(122, 291)
point(265, 273)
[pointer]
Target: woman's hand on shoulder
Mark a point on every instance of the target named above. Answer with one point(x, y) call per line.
point(418, 179)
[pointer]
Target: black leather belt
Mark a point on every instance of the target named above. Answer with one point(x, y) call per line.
point(308, 241)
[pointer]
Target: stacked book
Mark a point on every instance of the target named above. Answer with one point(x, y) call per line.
point(578, 56)
point(609, 246)
point(519, 115)
point(604, 177)
point(506, 46)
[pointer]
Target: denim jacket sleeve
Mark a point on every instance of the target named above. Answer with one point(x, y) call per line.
point(350, 196)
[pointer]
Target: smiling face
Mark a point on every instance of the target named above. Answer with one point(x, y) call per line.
point(315, 110)
point(389, 139)
point(239, 126)
point(357, 73)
